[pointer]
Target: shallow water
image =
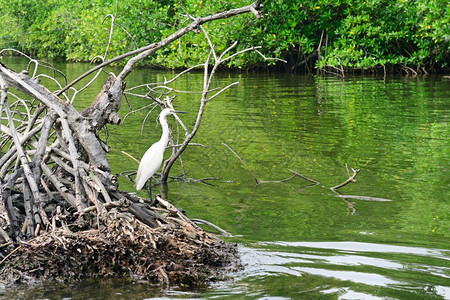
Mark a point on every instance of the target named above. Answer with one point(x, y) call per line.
point(300, 240)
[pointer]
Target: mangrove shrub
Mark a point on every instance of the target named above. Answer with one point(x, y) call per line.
point(339, 34)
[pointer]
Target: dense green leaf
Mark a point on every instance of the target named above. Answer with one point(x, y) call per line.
point(347, 33)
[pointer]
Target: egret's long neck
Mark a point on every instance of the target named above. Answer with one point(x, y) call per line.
point(165, 129)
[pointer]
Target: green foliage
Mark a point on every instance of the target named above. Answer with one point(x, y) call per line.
point(358, 34)
point(342, 33)
point(390, 32)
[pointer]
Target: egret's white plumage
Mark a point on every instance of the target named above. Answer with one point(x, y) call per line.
point(153, 157)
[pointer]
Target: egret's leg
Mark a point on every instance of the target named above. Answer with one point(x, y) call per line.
point(149, 188)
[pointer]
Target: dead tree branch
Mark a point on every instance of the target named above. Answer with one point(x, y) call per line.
point(204, 99)
point(304, 177)
point(365, 198)
point(243, 163)
point(268, 181)
point(351, 178)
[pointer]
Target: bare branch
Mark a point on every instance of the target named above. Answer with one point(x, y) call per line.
point(365, 198)
point(223, 232)
point(130, 156)
point(350, 179)
point(222, 90)
point(268, 181)
point(31, 183)
point(245, 165)
point(304, 177)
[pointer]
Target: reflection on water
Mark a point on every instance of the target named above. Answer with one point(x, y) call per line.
point(354, 267)
point(368, 247)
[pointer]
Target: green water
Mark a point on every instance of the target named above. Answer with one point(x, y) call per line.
point(300, 240)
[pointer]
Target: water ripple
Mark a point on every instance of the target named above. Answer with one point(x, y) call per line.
point(354, 265)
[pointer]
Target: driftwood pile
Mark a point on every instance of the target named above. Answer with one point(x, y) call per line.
point(62, 215)
point(176, 252)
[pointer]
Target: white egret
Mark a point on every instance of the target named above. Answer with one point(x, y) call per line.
point(152, 159)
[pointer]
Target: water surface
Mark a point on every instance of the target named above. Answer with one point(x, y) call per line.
point(300, 240)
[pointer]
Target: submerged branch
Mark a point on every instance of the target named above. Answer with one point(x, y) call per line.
point(243, 163)
point(223, 232)
point(365, 198)
point(304, 177)
point(258, 181)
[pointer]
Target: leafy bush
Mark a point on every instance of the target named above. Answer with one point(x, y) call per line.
point(348, 34)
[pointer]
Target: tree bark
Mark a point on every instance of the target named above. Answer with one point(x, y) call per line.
point(84, 125)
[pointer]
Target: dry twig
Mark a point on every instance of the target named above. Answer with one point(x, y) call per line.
point(351, 178)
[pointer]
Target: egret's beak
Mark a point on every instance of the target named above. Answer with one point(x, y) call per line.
point(180, 112)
